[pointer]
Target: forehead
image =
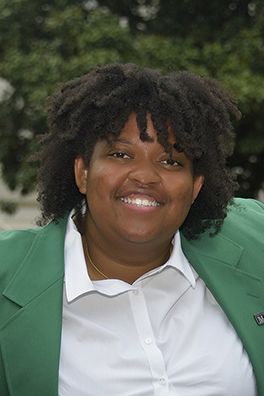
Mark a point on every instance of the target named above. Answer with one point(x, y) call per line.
point(132, 129)
point(144, 129)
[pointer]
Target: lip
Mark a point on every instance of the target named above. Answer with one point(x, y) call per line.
point(141, 196)
point(140, 201)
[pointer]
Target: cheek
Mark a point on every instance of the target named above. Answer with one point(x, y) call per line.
point(96, 189)
point(102, 185)
point(182, 192)
point(97, 201)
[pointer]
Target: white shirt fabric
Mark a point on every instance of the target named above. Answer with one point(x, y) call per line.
point(163, 335)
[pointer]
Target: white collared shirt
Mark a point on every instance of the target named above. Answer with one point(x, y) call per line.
point(163, 335)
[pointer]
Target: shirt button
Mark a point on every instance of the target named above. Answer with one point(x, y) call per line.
point(148, 340)
point(162, 381)
point(135, 292)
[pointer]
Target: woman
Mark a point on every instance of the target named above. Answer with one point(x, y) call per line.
point(145, 276)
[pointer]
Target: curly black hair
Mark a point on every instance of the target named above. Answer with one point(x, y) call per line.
point(96, 106)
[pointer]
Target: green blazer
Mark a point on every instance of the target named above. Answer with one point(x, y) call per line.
point(31, 289)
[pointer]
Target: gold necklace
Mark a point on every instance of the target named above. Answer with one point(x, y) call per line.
point(97, 269)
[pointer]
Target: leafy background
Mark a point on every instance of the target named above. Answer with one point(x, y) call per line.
point(46, 42)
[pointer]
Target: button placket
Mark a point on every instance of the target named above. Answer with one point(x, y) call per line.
point(147, 340)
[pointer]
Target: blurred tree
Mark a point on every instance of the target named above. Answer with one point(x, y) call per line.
point(204, 20)
point(45, 42)
point(41, 44)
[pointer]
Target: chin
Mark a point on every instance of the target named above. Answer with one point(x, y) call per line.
point(137, 237)
point(140, 237)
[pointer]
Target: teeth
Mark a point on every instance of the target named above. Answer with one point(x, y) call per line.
point(140, 202)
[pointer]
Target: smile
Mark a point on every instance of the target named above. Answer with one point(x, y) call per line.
point(140, 202)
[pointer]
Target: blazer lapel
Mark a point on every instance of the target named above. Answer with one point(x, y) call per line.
point(219, 262)
point(30, 338)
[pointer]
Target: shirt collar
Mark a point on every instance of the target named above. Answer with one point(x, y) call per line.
point(180, 262)
point(78, 282)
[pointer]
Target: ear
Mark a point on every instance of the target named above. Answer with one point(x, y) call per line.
point(80, 173)
point(197, 185)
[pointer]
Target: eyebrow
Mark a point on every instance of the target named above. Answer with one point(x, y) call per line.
point(176, 146)
point(122, 141)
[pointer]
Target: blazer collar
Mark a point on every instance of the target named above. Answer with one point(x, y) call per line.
point(37, 290)
point(220, 262)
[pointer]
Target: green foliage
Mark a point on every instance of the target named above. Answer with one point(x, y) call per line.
point(204, 20)
point(8, 207)
point(43, 43)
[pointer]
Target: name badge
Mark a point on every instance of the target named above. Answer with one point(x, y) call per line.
point(259, 318)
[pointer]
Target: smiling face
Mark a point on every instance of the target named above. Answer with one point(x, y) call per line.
point(136, 192)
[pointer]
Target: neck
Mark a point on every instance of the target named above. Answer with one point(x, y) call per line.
point(125, 264)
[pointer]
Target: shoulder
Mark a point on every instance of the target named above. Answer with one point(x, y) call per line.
point(17, 245)
point(243, 225)
point(242, 235)
point(246, 205)
point(14, 242)
point(17, 241)
point(244, 218)
point(14, 246)
point(10, 235)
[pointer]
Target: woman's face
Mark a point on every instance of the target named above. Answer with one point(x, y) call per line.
point(136, 192)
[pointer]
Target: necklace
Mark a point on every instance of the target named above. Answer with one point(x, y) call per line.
point(97, 269)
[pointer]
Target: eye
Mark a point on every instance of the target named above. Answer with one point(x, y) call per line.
point(119, 154)
point(170, 162)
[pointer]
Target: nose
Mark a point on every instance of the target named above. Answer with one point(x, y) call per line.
point(144, 173)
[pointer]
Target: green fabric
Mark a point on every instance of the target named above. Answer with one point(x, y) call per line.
point(232, 266)
point(31, 284)
point(31, 279)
